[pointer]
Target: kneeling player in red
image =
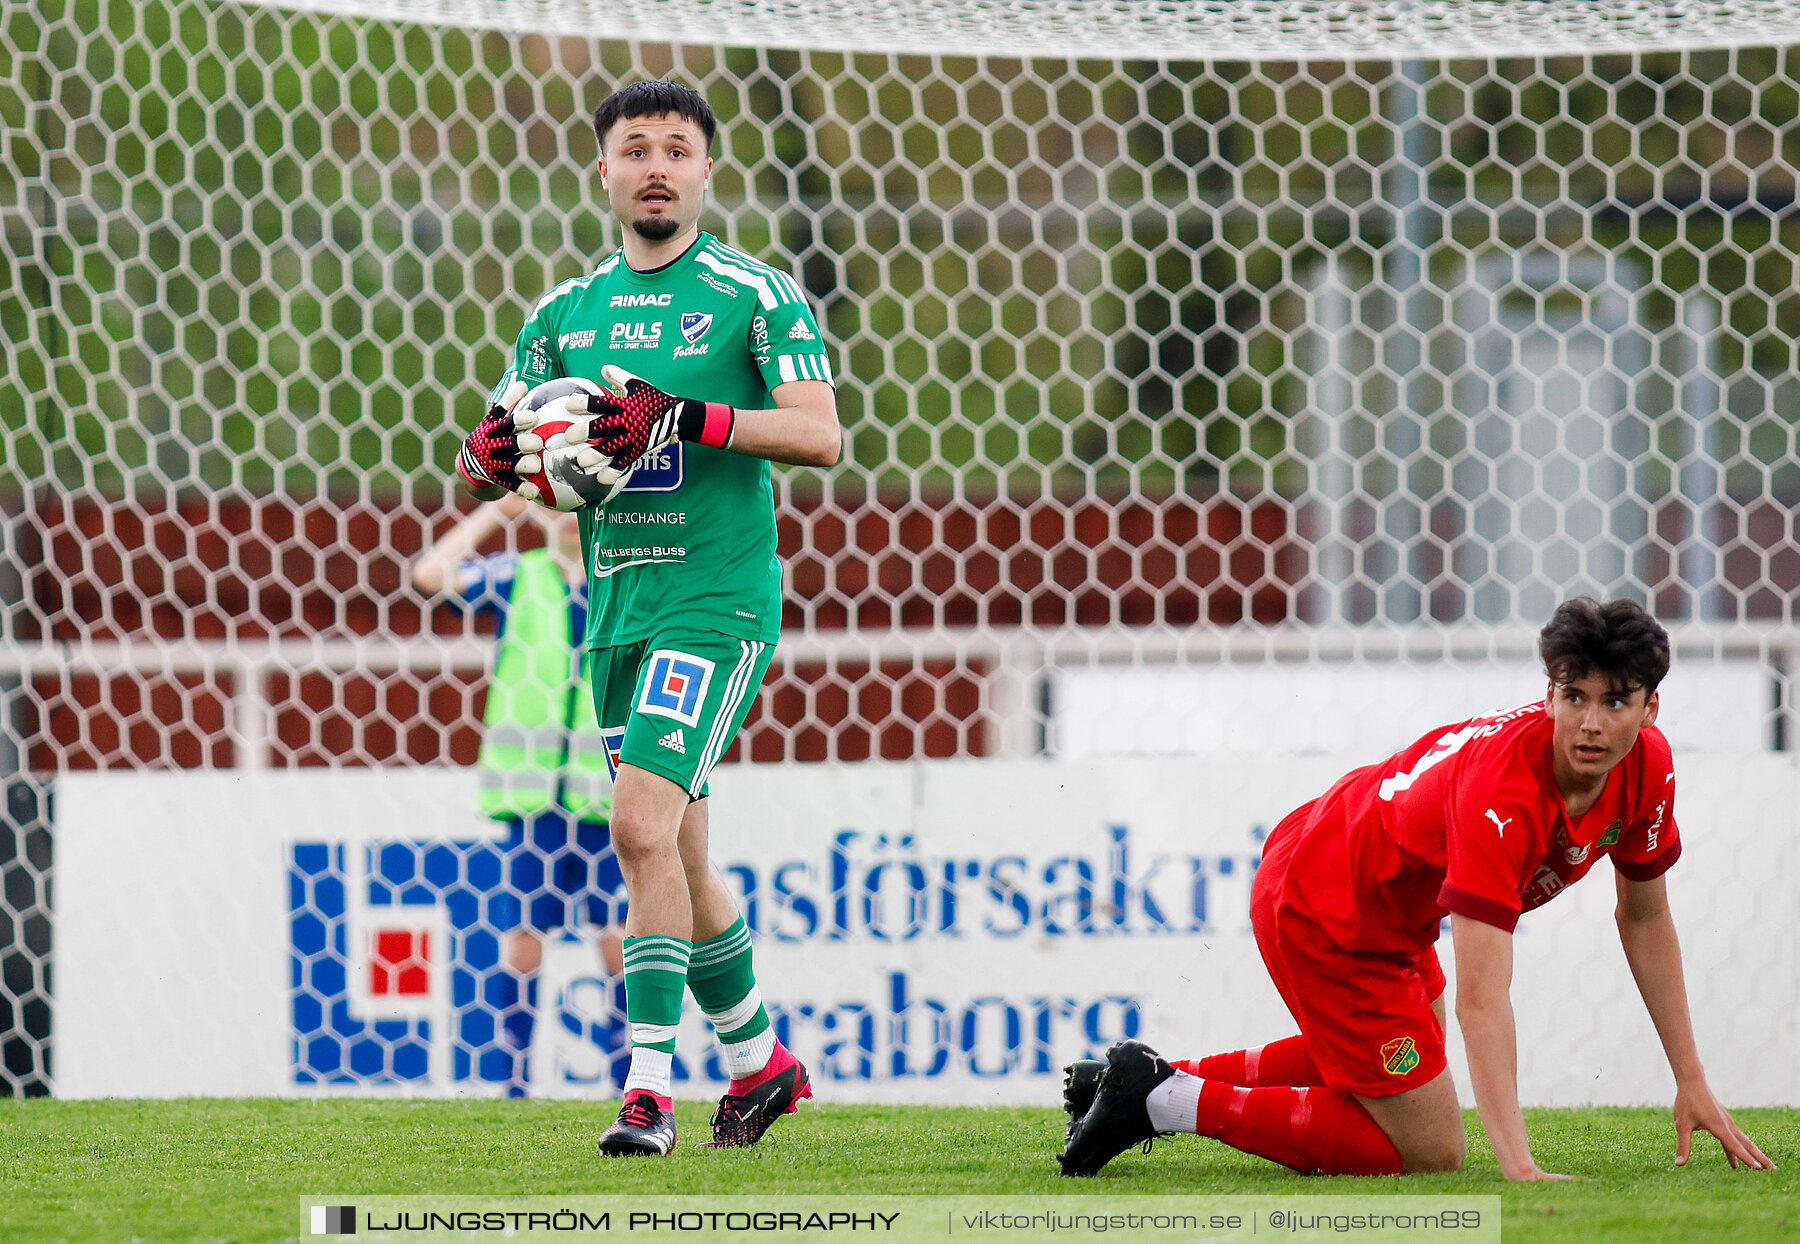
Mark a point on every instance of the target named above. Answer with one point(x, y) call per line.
point(1478, 821)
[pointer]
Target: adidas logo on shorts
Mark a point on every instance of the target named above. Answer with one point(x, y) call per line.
point(674, 742)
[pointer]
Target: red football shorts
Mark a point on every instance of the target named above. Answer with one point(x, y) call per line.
point(1367, 1017)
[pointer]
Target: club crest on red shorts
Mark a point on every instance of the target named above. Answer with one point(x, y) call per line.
point(1399, 1056)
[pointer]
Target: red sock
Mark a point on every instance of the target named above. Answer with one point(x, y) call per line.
point(1279, 1062)
point(1309, 1129)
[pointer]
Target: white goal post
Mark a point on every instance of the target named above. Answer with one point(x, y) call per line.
point(1246, 30)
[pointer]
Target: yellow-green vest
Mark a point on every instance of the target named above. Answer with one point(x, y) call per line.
point(541, 748)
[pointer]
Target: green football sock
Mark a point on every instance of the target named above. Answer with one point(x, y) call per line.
point(723, 982)
point(655, 971)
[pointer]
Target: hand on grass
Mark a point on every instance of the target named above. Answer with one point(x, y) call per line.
point(1696, 1109)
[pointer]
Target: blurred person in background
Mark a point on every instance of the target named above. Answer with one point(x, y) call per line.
point(543, 768)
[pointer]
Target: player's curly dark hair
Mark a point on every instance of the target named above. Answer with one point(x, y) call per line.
point(655, 97)
point(1618, 640)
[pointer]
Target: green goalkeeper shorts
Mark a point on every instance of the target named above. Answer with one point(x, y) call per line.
point(673, 703)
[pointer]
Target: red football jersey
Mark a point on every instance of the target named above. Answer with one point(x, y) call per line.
point(1469, 820)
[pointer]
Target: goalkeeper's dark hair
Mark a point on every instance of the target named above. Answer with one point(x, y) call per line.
point(1617, 640)
point(655, 97)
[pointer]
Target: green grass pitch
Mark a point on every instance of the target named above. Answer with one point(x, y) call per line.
point(236, 1169)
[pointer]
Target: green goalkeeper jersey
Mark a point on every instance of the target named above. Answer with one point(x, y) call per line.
point(692, 537)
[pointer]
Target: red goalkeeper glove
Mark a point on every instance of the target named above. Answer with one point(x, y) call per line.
point(489, 458)
point(637, 418)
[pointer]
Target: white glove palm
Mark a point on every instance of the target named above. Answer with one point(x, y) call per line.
point(579, 475)
point(557, 465)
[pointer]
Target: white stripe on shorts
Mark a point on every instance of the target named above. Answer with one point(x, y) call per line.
point(722, 728)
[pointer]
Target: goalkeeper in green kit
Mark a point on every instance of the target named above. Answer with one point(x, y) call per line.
point(712, 366)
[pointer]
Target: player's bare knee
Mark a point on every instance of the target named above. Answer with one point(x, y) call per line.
point(639, 840)
point(1425, 1126)
point(1435, 1156)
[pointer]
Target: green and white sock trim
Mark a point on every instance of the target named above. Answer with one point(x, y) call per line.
point(656, 969)
point(723, 982)
point(657, 1036)
point(716, 950)
point(671, 954)
point(734, 1019)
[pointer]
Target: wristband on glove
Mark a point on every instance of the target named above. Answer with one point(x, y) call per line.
point(705, 423)
point(636, 418)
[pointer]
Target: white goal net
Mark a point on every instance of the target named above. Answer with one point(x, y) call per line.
point(1217, 376)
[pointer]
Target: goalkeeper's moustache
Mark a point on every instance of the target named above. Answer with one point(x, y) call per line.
point(637, 418)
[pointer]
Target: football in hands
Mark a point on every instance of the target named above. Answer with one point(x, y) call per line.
point(553, 471)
